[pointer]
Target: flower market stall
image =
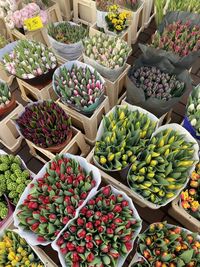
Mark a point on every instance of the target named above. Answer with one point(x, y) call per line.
point(99, 133)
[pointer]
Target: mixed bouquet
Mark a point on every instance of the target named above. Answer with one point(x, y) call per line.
point(180, 38)
point(67, 33)
point(156, 83)
point(17, 18)
point(102, 233)
point(162, 169)
point(29, 59)
point(110, 52)
point(125, 133)
point(117, 21)
point(45, 124)
point(79, 85)
point(3, 41)
point(54, 197)
point(5, 95)
point(192, 119)
point(13, 177)
point(14, 251)
point(164, 245)
point(4, 210)
point(190, 197)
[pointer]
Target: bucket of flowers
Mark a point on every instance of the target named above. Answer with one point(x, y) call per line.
point(55, 197)
point(103, 232)
point(30, 61)
point(192, 118)
point(7, 101)
point(46, 125)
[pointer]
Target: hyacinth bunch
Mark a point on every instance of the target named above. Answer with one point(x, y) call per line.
point(102, 233)
point(29, 59)
point(45, 124)
point(111, 52)
point(157, 84)
point(3, 209)
point(163, 167)
point(117, 21)
point(79, 86)
point(53, 199)
point(190, 197)
point(169, 246)
point(13, 177)
point(6, 7)
point(180, 38)
point(67, 33)
point(125, 134)
point(193, 109)
point(5, 95)
point(3, 41)
point(17, 18)
point(14, 251)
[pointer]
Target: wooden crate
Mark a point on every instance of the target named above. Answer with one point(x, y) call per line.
point(126, 36)
point(77, 146)
point(84, 11)
point(116, 91)
point(179, 214)
point(66, 8)
point(148, 12)
point(87, 125)
point(30, 93)
point(9, 135)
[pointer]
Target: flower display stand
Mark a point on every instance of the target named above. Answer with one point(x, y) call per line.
point(181, 215)
point(77, 146)
point(87, 125)
point(84, 11)
point(148, 12)
point(9, 135)
point(126, 36)
point(116, 91)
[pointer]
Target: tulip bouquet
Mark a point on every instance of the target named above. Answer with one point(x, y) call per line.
point(54, 197)
point(178, 37)
point(3, 41)
point(14, 251)
point(190, 197)
point(107, 54)
point(14, 177)
point(29, 59)
point(123, 134)
point(79, 85)
point(17, 18)
point(168, 245)
point(103, 232)
point(192, 118)
point(45, 124)
point(5, 95)
point(117, 21)
point(156, 83)
point(161, 170)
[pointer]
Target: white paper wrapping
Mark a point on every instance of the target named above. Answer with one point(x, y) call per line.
point(68, 51)
point(188, 138)
point(136, 216)
point(101, 126)
point(31, 237)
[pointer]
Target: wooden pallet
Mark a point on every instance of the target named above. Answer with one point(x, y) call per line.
point(116, 91)
point(77, 146)
point(9, 135)
point(87, 125)
point(84, 11)
point(181, 215)
point(126, 36)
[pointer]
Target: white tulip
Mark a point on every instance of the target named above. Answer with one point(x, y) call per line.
point(193, 122)
point(191, 107)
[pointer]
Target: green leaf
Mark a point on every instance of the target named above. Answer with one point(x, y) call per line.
point(187, 255)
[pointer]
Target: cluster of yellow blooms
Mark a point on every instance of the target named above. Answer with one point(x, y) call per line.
point(117, 20)
point(190, 196)
point(14, 251)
